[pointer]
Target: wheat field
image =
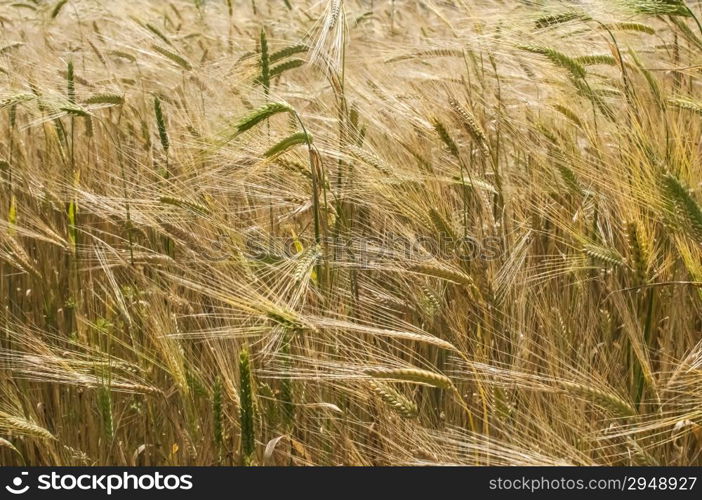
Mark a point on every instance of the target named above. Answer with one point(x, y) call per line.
point(351, 232)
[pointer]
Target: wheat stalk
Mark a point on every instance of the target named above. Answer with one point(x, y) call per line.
point(218, 416)
point(394, 399)
point(261, 114)
point(605, 255)
point(687, 212)
point(23, 426)
point(246, 409)
point(153, 29)
point(602, 398)
point(638, 252)
point(114, 99)
point(57, 8)
point(265, 64)
point(562, 18)
point(173, 57)
point(289, 142)
point(442, 272)
point(686, 104)
point(470, 124)
point(641, 28)
point(445, 137)
point(559, 59)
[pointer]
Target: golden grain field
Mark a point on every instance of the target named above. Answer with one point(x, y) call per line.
point(350, 232)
